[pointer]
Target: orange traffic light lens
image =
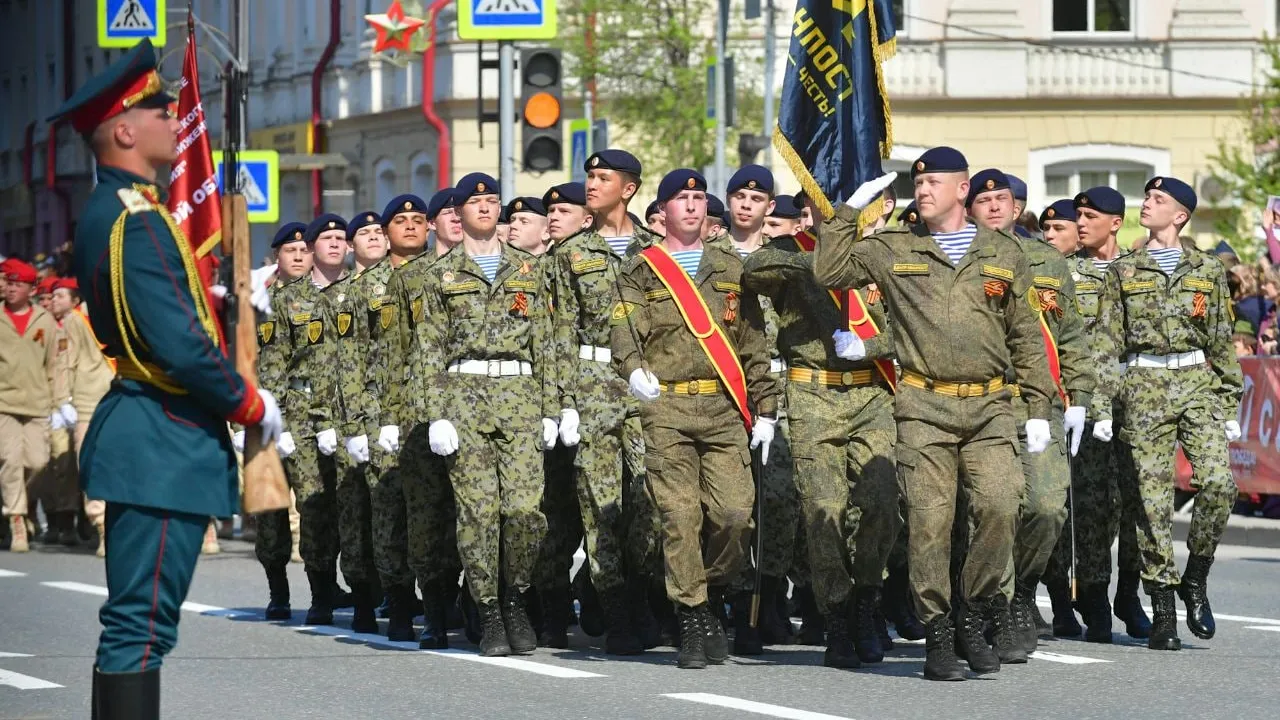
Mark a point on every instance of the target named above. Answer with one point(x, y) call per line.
point(542, 110)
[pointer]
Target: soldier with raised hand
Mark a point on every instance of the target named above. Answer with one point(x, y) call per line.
point(486, 342)
point(1165, 311)
point(692, 345)
point(957, 298)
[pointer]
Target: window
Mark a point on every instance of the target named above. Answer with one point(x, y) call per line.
point(900, 15)
point(1064, 180)
point(422, 182)
point(1093, 15)
point(384, 174)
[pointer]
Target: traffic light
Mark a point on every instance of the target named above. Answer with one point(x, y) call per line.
point(541, 136)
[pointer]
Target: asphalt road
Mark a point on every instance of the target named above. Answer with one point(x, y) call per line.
point(231, 663)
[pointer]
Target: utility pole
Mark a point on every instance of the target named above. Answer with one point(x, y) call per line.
point(770, 17)
point(722, 29)
point(506, 120)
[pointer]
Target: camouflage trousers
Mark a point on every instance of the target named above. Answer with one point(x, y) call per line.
point(313, 479)
point(355, 520)
point(1043, 510)
point(846, 477)
point(497, 480)
point(387, 506)
point(1165, 409)
point(642, 525)
point(779, 508)
point(699, 474)
point(564, 520)
point(426, 540)
point(938, 437)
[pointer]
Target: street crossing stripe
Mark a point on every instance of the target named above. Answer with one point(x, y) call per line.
point(752, 707)
point(13, 655)
point(1064, 659)
point(25, 682)
point(11, 573)
point(1269, 628)
point(194, 607)
point(1043, 601)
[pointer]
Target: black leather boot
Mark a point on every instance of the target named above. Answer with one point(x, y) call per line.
point(126, 696)
point(1164, 624)
point(1008, 643)
point(1194, 592)
point(714, 641)
point(940, 661)
point(364, 618)
point(341, 598)
point(520, 635)
point(472, 623)
point(746, 639)
point(1064, 614)
point(899, 607)
point(692, 654)
point(972, 645)
point(590, 614)
point(1096, 611)
point(555, 621)
point(435, 617)
point(404, 605)
point(840, 652)
point(278, 587)
point(321, 610)
point(643, 622)
point(619, 639)
point(813, 628)
point(862, 625)
point(1023, 610)
point(772, 627)
point(882, 626)
point(493, 643)
point(1128, 608)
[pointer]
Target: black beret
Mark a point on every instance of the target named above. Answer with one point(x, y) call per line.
point(909, 215)
point(988, 180)
point(1059, 210)
point(571, 193)
point(1175, 189)
point(679, 180)
point(362, 220)
point(652, 210)
point(400, 204)
point(324, 223)
point(715, 206)
point(751, 177)
point(476, 183)
point(784, 206)
point(613, 159)
point(445, 198)
point(289, 232)
point(941, 159)
point(525, 205)
point(1018, 187)
point(1101, 198)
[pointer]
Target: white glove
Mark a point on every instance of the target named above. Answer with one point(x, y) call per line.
point(237, 440)
point(442, 437)
point(549, 433)
point(56, 421)
point(327, 442)
point(219, 291)
point(569, 427)
point(69, 415)
point(1038, 436)
point(1233, 431)
point(389, 438)
point(1102, 430)
point(259, 295)
point(1073, 426)
point(358, 448)
point(644, 385)
point(870, 190)
point(848, 345)
point(762, 436)
point(285, 444)
point(272, 423)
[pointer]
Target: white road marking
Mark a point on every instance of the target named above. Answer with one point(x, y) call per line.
point(79, 587)
point(758, 708)
point(1065, 659)
point(1044, 602)
point(11, 573)
point(25, 682)
point(1269, 628)
point(12, 655)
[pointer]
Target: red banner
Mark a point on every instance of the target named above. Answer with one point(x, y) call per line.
point(1255, 457)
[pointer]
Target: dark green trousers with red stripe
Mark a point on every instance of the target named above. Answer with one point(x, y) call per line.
point(151, 556)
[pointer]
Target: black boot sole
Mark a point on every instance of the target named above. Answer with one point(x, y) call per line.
point(692, 664)
point(1098, 637)
point(956, 675)
point(318, 617)
point(1169, 644)
point(434, 643)
point(364, 622)
point(501, 650)
point(840, 661)
point(279, 613)
point(401, 633)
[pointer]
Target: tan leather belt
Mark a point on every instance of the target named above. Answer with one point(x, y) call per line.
point(832, 378)
point(952, 389)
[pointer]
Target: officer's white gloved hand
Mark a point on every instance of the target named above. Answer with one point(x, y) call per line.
point(272, 422)
point(69, 414)
point(443, 437)
point(285, 445)
point(237, 440)
point(569, 427)
point(56, 421)
point(550, 431)
point(762, 436)
point(870, 190)
point(327, 442)
point(389, 438)
point(1038, 436)
point(1233, 431)
point(358, 448)
point(848, 345)
point(644, 385)
point(1073, 425)
point(1102, 430)
point(219, 291)
point(259, 295)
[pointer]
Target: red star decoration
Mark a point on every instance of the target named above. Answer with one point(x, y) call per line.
point(394, 28)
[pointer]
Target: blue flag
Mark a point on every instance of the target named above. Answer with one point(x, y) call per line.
point(834, 124)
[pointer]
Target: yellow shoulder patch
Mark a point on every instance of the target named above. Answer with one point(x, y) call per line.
point(997, 272)
point(344, 323)
point(1197, 284)
point(622, 311)
point(387, 315)
point(727, 286)
point(134, 201)
point(418, 309)
point(910, 268)
point(315, 329)
point(1048, 281)
point(266, 331)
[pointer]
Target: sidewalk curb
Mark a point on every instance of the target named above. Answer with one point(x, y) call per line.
point(1241, 530)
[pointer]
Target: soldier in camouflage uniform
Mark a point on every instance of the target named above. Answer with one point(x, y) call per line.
point(486, 337)
point(1166, 311)
point(957, 296)
point(692, 428)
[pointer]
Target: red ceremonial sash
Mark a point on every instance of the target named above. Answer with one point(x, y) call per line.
point(697, 317)
point(856, 314)
point(1051, 351)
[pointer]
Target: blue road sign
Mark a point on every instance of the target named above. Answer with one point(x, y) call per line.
point(123, 23)
point(259, 183)
point(507, 19)
point(578, 151)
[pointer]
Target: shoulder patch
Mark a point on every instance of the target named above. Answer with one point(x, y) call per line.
point(581, 267)
point(134, 202)
point(1048, 281)
point(344, 323)
point(315, 329)
point(997, 272)
point(622, 311)
point(1197, 284)
point(1137, 285)
point(910, 268)
point(417, 307)
point(266, 331)
point(727, 286)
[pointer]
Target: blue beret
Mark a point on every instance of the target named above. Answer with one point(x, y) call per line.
point(324, 223)
point(1102, 199)
point(715, 206)
point(362, 220)
point(909, 214)
point(1018, 187)
point(784, 206)
point(1224, 248)
point(680, 180)
point(442, 199)
point(571, 193)
point(613, 159)
point(941, 159)
point(289, 232)
point(751, 177)
point(1176, 189)
point(1059, 210)
point(476, 183)
point(504, 217)
point(652, 210)
point(526, 205)
point(402, 203)
point(988, 180)
point(1022, 232)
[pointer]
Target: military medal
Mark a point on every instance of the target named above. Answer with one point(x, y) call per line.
point(730, 307)
point(520, 305)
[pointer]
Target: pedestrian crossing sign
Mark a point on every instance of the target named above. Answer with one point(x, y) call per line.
point(259, 175)
point(122, 23)
point(507, 19)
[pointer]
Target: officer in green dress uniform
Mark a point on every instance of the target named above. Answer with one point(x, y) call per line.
point(175, 384)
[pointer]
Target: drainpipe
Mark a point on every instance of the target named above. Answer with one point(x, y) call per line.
point(444, 157)
point(68, 86)
point(317, 78)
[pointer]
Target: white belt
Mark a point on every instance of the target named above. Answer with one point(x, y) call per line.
point(777, 365)
point(1121, 368)
point(1176, 361)
point(492, 368)
point(598, 354)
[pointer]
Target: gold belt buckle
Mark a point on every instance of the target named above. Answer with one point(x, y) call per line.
point(693, 387)
point(962, 390)
point(846, 377)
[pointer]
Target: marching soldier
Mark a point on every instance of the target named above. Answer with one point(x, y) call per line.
point(957, 297)
point(693, 347)
point(528, 226)
point(783, 219)
point(1166, 313)
point(173, 378)
point(653, 219)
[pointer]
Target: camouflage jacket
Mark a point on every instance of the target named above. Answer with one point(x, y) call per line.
point(667, 347)
point(1143, 310)
point(403, 351)
point(1055, 288)
point(333, 391)
point(961, 323)
point(584, 272)
point(287, 358)
point(1088, 281)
